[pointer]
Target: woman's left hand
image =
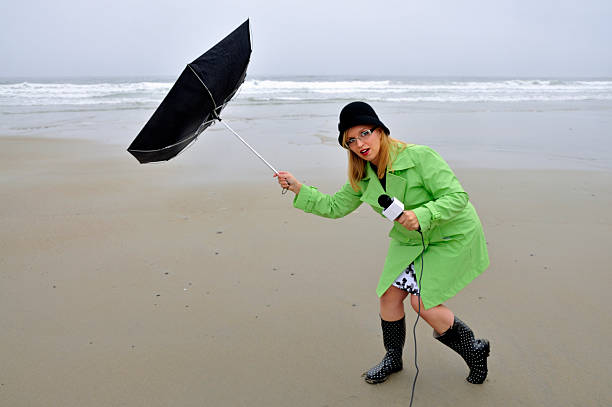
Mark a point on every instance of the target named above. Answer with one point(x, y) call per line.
point(409, 220)
point(287, 181)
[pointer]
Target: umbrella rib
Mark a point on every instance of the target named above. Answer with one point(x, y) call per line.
point(164, 148)
point(205, 87)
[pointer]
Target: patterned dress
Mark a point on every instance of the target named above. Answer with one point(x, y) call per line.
point(407, 281)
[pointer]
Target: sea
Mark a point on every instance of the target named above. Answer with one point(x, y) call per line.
point(476, 122)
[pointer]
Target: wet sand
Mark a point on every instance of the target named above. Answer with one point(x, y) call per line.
point(160, 285)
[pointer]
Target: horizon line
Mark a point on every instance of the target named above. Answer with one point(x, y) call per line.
point(363, 76)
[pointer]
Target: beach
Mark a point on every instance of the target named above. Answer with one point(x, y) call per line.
point(196, 283)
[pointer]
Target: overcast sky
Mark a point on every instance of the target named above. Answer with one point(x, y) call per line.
point(531, 38)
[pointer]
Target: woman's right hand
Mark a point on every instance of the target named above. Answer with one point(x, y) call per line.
point(287, 180)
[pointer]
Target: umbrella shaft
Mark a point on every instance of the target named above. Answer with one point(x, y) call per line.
point(249, 146)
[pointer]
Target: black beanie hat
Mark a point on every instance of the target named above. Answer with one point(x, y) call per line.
point(356, 113)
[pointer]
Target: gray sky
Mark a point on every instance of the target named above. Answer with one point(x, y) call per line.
point(424, 38)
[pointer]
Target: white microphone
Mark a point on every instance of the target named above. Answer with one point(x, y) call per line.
point(392, 207)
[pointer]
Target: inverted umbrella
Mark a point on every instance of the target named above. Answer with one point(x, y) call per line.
point(196, 100)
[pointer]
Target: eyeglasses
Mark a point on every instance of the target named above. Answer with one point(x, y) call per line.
point(362, 136)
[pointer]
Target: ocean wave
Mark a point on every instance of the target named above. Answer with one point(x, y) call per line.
point(437, 99)
point(150, 93)
point(42, 94)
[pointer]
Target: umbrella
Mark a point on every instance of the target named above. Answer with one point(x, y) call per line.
point(196, 99)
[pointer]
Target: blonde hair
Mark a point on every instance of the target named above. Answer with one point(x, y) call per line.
point(357, 165)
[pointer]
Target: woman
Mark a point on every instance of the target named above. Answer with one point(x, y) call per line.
point(437, 216)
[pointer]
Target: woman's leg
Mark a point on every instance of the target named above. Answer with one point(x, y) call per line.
point(393, 326)
point(392, 304)
point(440, 318)
point(455, 334)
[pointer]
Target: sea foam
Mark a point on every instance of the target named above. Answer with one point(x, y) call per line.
point(148, 94)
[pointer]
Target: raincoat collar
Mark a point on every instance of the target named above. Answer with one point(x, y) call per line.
point(402, 160)
point(396, 185)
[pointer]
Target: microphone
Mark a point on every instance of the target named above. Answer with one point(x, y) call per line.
point(392, 207)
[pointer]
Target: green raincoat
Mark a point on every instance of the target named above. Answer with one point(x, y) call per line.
point(455, 247)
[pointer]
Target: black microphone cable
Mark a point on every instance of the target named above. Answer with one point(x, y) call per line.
point(417, 318)
point(386, 202)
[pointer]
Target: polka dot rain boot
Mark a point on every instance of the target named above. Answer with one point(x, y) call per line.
point(394, 335)
point(475, 352)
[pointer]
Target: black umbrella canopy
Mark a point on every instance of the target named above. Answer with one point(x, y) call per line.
point(196, 98)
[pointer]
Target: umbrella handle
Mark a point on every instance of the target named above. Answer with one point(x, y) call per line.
point(252, 149)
